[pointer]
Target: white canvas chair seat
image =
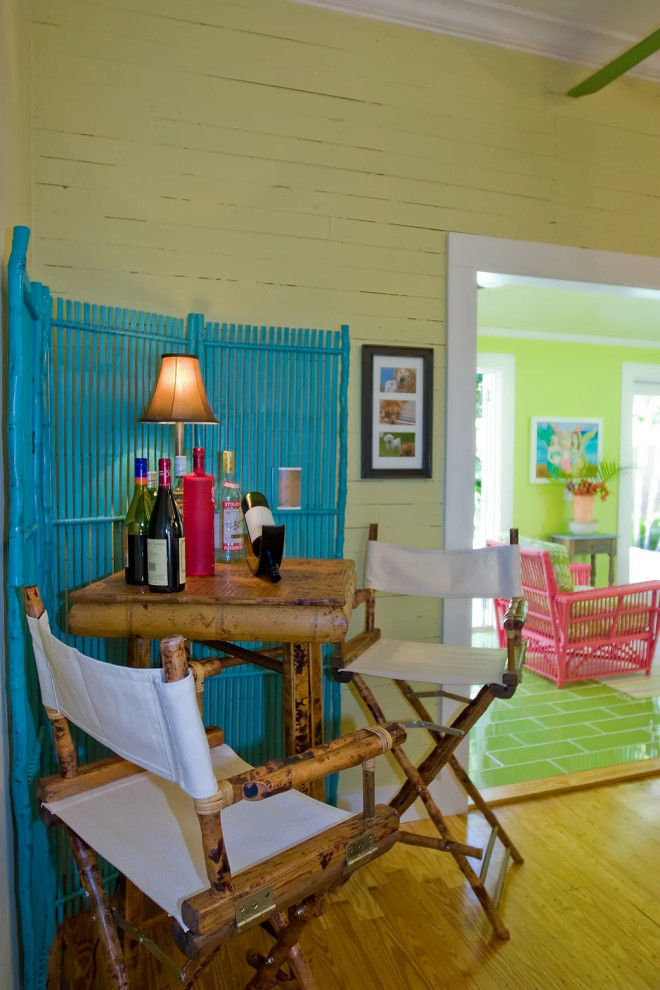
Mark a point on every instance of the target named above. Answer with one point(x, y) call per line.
point(492, 572)
point(147, 828)
point(434, 663)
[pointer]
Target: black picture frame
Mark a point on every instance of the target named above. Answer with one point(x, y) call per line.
point(397, 409)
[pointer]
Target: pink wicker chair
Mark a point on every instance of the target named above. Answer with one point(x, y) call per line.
point(578, 635)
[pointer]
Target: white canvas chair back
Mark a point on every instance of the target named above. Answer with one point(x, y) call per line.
point(133, 712)
point(489, 572)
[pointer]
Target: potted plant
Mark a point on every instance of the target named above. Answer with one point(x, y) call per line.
point(585, 487)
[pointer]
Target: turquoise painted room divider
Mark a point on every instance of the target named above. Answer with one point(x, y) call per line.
point(79, 376)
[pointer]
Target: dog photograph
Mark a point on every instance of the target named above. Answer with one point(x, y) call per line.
point(398, 380)
point(397, 444)
point(396, 411)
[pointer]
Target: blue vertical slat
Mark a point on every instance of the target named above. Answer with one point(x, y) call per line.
point(27, 546)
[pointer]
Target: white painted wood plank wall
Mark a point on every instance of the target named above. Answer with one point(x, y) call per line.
point(267, 161)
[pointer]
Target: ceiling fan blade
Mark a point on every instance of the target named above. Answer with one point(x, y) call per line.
point(618, 66)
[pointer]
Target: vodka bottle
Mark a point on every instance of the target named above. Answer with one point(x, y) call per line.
point(166, 546)
point(228, 517)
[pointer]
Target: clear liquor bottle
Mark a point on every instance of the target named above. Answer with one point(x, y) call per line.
point(228, 536)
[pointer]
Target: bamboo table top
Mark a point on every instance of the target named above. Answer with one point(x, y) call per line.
point(312, 604)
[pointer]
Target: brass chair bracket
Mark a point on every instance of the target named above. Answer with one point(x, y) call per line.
point(254, 909)
point(148, 943)
point(360, 850)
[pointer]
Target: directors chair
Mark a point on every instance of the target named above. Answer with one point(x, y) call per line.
point(487, 573)
point(182, 817)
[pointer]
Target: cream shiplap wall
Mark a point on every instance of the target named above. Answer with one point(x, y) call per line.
point(269, 161)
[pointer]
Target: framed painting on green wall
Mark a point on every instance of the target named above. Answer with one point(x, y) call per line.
point(562, 445)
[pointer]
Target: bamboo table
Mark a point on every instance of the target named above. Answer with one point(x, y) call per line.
point(310, 606)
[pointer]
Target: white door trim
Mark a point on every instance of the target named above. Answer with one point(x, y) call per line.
point(631, 374)
point(466, 255)
point(505, 364)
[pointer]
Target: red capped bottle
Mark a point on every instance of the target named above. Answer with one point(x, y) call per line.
point(198, 515)
point(166, 546)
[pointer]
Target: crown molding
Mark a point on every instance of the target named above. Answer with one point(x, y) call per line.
point(504, 25)
point(568, 338)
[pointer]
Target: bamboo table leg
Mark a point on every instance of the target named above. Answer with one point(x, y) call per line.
point(139, 652)
point(302, 694)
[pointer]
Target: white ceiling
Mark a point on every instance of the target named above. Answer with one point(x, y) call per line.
point(589, 32)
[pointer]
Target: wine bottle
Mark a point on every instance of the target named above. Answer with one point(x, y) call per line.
point(228, 536)
point(198, 515)
point(265, 539)
point(135, 527)
point(166, 546)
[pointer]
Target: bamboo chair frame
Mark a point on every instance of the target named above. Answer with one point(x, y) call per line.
point(418, 778)
point(297, 878)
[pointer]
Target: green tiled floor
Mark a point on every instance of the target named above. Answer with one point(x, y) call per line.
point(543, 732)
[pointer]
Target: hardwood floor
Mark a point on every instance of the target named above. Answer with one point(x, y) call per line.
point(583, 910)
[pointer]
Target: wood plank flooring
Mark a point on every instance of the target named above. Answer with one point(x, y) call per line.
point(583, 911)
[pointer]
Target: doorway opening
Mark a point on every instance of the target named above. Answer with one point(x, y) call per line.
point(469, 254)
point(493, 489)
point(530, 723)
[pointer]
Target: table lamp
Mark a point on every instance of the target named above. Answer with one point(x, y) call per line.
point(179, 397)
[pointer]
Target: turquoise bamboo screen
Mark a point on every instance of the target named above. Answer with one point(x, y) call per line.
point(79, 377)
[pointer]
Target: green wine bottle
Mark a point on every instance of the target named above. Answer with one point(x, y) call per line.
point(135, 527)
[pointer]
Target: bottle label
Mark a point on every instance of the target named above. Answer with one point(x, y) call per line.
point(256, 518)
point(232, 527)
point(182, 560)
point(157, 557)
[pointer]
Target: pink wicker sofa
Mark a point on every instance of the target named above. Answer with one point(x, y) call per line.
point(577, 635)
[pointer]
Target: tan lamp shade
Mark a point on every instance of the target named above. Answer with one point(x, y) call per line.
point(179, 395)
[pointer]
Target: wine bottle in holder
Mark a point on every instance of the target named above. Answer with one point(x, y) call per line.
point(198, 517)
point(136, 526)
point(166, 546)
point(265, 540)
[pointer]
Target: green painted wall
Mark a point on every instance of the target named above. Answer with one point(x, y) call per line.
point(554, 378)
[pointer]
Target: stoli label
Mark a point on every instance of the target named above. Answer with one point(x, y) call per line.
point(232, 526)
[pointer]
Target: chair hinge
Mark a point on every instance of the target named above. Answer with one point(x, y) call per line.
point(360, 849)
point(253, 909)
